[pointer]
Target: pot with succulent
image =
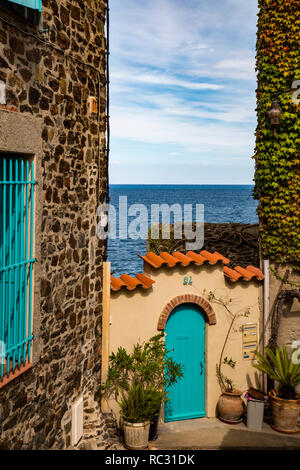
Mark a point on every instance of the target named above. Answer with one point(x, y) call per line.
point(139, 381)
point(285, 401)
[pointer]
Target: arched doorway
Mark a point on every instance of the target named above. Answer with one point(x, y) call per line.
point(185, 341)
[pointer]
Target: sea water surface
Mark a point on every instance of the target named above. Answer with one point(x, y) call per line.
point(222, 203)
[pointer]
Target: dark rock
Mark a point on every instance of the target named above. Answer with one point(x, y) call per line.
point(34, 95)
point(45, 287)
point(44, 103)
point(25, 74)
point(16, 45)
point(33, 55)
point(56, 226)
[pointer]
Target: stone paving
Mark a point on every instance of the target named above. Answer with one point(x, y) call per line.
point(211, 433)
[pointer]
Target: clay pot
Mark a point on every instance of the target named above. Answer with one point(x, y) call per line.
point(136, 435)
point(285, 413)
point(231, 407)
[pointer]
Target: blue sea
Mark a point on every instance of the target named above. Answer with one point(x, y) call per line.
point(222, 203)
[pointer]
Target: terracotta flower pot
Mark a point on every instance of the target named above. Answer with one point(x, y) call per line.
point(136, 435)
point(285, 413)
point(231, 407)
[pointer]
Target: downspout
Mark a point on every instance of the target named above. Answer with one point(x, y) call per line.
point(266, 310)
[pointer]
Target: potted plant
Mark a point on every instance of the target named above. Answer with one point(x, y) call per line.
point(139, 381)
point(138, 405)
point(230, 405)
point(285, 402)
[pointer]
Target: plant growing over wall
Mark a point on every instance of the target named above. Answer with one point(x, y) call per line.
point(277, 158)
point(226, 384)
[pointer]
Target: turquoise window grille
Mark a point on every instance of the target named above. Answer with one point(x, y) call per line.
point(34, 4)
point(16, 261)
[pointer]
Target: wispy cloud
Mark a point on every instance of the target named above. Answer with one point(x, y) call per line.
point(183, 79)
point(136, 76)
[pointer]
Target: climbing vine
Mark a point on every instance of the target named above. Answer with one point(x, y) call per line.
point(277, 157)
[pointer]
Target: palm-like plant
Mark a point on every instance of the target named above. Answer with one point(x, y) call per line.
point(141, 378)
point(280, 367)
point(139, 404)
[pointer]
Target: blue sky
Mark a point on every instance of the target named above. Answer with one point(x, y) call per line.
point(182, 91)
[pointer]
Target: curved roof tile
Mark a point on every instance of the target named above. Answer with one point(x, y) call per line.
point(171, 260)
point(232, 274)
point(184, 259)
point(245, 274)
point(130, 282)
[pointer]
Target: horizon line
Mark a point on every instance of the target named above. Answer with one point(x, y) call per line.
point(181, 184)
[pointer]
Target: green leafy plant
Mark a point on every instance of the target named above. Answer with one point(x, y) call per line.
point(139, 404)
point(281, 367)
point(226, 384)
point(277, 158)
point(143, 376)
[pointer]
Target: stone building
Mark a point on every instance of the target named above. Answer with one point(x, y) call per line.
point(53, 160)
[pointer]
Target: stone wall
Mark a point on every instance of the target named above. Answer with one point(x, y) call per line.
point(289, 323)
point(50, 84)
point(238, 242)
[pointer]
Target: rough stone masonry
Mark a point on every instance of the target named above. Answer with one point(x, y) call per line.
point(48, 87)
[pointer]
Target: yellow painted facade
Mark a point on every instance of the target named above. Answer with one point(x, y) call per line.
point(134, 318)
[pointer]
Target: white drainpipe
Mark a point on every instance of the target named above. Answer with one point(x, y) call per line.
point(266, 309)
point(266, 301)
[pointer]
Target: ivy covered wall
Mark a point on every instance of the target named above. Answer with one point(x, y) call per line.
point(277, 157)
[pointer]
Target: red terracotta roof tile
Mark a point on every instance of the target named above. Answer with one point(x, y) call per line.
point(130, 282)
point(171, 260)
point(146, 281)
point(153, 259)
point(232, 274)
point(184, 259)
point(247, 275)
point(241, 273)
point(256, 271)
point(116, 283)
point(198, 259)
point(213, 258)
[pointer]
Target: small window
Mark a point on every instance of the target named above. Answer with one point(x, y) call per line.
point(30, 10)
point(16, 261)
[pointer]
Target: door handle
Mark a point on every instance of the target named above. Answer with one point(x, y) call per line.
point(201, 365)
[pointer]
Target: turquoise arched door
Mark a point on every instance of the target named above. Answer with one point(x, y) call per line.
point(185, 341)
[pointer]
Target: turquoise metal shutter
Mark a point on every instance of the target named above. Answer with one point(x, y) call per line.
point(16, 260)
point(34, 4)
point(185, 341)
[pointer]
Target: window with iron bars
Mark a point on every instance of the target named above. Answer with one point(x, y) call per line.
point(16, 261)
point(30, 10)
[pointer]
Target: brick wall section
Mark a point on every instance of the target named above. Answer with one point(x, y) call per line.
point(35, 408)
point(187, 298)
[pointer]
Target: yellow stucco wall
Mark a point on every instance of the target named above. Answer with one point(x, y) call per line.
point(134, 316)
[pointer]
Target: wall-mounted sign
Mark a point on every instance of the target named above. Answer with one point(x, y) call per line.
point(249, 340)
point(187, 280)
point(296, 93)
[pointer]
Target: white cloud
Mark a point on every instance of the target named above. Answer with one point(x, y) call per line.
point(152, 127)
point(161, 80)
point(182, 74)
